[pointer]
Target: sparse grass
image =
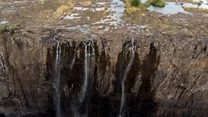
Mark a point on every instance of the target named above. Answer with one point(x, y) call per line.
point(195, 2)
point(190, 1)
point(132, 10)
point(143, 6)
point(10, 28)
point(157, 3)
point(191, 9)
point(133, 6)
point(2, 28)
point(6, 28)
point(147, 3)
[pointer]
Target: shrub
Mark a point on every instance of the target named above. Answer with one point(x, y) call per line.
point(131, 10)
point(161, 3)
point(158, 3)
point(147, 3)
point(143, 7)
point(10, 28)
point(199, 3)
point(2, 28)
point(135, 2)
point(6, 28)
point(181, 3)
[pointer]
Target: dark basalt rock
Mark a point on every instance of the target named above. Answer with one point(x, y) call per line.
point(168, 77)
point(2, 115)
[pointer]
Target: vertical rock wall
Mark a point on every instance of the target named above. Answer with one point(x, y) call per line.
point(168, 76)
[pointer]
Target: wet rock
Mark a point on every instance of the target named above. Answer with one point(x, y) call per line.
point(168, 76)
point(4, 91)
point(2, 115)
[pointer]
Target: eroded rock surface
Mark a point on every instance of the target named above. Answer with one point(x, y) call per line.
point(168, 76)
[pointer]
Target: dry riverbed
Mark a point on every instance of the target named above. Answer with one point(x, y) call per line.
point(97, 17)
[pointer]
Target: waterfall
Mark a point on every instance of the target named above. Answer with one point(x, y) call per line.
point(88, 79)
point(80, 103)
point(88, 66)
point(72, 63)
point(123, 96)
point(57, 79)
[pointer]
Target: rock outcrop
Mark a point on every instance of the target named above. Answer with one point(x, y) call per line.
point(168, 76)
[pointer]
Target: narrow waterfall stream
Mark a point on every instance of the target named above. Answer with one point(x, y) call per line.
point(123, 96)
point(57, 80)
point(72, 63)
point(89, 63)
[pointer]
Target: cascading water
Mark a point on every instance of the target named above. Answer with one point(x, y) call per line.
point(57, 68)
point(123, 96)
point(89, 68)
point(94, 87)
point(86, 64)
point(72, 63)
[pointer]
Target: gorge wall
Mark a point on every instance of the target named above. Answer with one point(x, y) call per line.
point(52, 73)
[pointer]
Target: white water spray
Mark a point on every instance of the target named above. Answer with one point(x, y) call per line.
point(88, 66)
point(72, 63)
point(123, 96)
point(57, 80)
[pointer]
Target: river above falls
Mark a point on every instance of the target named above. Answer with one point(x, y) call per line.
point(170, 8)
point(174, 8)
point(112, 17)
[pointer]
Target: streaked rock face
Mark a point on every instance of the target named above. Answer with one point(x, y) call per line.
point(168, 76)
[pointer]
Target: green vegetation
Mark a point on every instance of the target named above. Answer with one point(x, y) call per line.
point(181, 3)
point(200, 3)
point(6, 28)
point(143, 6)
point(133, 6)
point(1, 28)
point(135, 3)
point(157, 3)
point(131, 10)
point(147, 3)
point(190, 1)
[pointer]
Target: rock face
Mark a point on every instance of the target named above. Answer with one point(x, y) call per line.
point(168, 77)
